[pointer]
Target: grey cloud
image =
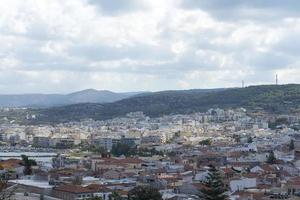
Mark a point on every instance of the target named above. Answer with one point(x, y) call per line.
point(289, 45)
point(243, 9)
point(110, 7)
point(268, 60)
point(82, 57)
point(100, 52)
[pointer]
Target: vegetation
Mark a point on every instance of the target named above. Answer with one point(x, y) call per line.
point(278, 122)
point(291, 145)
point(77, 180)
point(122, 149)
point(214, 188)
point(144, 193)
point(128, 150)
point(271, 158)
point(268, 98)
point(115, 196)
point(28, 163)
point(95, 149)
point(205, 142)
point(250, 140)
point(237, 138)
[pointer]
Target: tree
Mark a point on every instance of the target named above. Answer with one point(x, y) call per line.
point(115, 196)
point(144, 193)
point(122, 149)
point(237, 138)
point(206, 142)
point(291, 145)
point(28, 163)
point(96, 149)
point(271, 158)
point(250, 140)
point(77, 180)
point(214, 188)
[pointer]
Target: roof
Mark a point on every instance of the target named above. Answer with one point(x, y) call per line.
point(73, 189)
point(267, 167)
point(294, 181)
point(78, 189)
point(227, 170)
point(247, 194)
point(32, 183)
point(11, 163)
point(98, 188)
point(122, 162)
point(251, 175)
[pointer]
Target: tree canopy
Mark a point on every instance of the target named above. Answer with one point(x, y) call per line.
point(144, 193)
point(28, 163)
point(214, 188)
point(271, 158)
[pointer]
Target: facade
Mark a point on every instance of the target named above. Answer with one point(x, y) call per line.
point(76, 192)
point(41, 141)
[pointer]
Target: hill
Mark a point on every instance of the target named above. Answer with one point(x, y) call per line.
point(49, 100)
point(270, 98)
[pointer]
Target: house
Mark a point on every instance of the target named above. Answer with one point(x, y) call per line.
point(100, 191)
point(201, 176)
point(116, 174)
point(77, 192)
point(293, 185)
point(241, 184)
point(11, 168)
point(103, 164)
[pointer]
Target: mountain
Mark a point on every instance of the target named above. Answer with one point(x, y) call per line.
point(283, 99)
point(48, 100)
point(268, 98)
point(96, 96)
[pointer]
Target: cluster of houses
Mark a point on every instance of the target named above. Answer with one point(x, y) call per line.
point(241, 147)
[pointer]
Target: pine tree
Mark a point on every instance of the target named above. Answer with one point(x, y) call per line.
point(271, 158)
point(292, 145)
point(214, 188)
point(250, 140)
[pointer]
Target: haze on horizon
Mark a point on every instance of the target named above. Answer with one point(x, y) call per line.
point(54, 46)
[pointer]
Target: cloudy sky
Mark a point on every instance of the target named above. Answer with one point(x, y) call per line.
point(55, 46)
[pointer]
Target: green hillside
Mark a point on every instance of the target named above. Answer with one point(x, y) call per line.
point(270, 98)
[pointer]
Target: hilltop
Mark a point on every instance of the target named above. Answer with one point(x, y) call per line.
point(50, 100)
point(268, 98)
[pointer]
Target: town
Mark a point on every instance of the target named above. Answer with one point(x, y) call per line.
point(257, 156)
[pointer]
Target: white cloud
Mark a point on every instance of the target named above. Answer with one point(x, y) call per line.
point(126, 45)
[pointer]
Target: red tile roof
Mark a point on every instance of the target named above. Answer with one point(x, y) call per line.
point(76, 189)
point(11, 163)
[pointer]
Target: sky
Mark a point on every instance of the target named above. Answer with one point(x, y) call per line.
point(55, 46)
